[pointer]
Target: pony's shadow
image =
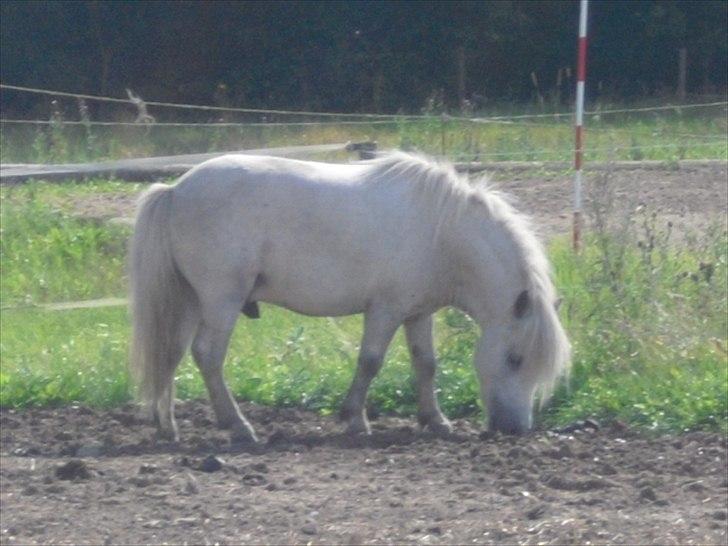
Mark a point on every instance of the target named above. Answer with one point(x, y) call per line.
point(281, 441)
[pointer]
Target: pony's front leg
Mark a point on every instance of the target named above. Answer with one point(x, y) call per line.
point(379, 327)
point(418, 331)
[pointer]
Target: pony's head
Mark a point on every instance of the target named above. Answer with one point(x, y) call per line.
point(517, 358)
point(523, 349)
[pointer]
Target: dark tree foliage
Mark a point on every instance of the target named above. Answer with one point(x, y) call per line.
point(357, 55)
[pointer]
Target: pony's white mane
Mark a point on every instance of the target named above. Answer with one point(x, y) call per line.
point(452, 195)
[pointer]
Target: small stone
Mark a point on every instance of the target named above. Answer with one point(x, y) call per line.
point(148, 469)
point(309, 528)
point(435, 530)
point(211, 464)
point(191, 485)
point(74, 469)
point(290, 480)
point(271, 487)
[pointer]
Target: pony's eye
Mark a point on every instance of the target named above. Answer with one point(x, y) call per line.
point(514, 361)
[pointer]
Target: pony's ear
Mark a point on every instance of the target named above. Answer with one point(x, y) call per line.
point(557, 303)
point(522, 305)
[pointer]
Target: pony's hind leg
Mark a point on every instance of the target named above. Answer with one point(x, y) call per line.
point(164, 414)
point(379, 327)
point(418, 331)
point(163, 406)
point(208, 349)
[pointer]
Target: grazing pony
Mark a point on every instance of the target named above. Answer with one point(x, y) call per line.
point(396, 239)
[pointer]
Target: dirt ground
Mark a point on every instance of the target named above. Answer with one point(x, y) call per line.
point(79, 476)
point(691, 199)
point(75, 475)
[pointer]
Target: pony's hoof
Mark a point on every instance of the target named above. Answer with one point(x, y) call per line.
point(442, 429)
point(168, 435)
point(243, 437)
point(357, 427)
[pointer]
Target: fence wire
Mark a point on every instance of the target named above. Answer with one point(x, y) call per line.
point(522, 136)
point(390, 117)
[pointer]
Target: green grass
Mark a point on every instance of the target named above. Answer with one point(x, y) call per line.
point(49, 255)
point(647, 321)
point(649, 333)
point(666, 135)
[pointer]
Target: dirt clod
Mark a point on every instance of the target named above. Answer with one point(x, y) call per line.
point(211, 464)
point(74, 469)
point(309, 528)
point(647, 493)
point(254, 479)
point(536, 512)
point(90, 450)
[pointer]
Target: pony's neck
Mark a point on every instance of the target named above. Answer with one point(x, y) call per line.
point(489, 273)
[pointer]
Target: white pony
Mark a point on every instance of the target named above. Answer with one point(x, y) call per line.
point(396, 238)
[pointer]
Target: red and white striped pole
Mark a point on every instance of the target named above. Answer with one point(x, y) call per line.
point(578, 150)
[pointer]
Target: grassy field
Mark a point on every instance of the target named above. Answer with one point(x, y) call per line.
point(647, 321)
point(669, 135)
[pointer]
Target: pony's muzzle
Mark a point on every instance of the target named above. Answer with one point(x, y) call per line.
point(507, 418)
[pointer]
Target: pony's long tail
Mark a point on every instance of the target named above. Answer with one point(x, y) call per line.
point(161, 301)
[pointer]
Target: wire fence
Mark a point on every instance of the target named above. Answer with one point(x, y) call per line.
point(346, 115)
point(70, 132)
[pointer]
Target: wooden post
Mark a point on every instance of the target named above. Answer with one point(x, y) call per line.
point(442, 135)
point(682, 65)
point(461, 75)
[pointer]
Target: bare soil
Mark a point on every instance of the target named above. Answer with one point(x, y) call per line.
point(76, 475)
point(691, 199)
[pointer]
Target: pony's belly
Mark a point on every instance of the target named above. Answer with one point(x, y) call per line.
point(310, 296)
point(315, 307)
